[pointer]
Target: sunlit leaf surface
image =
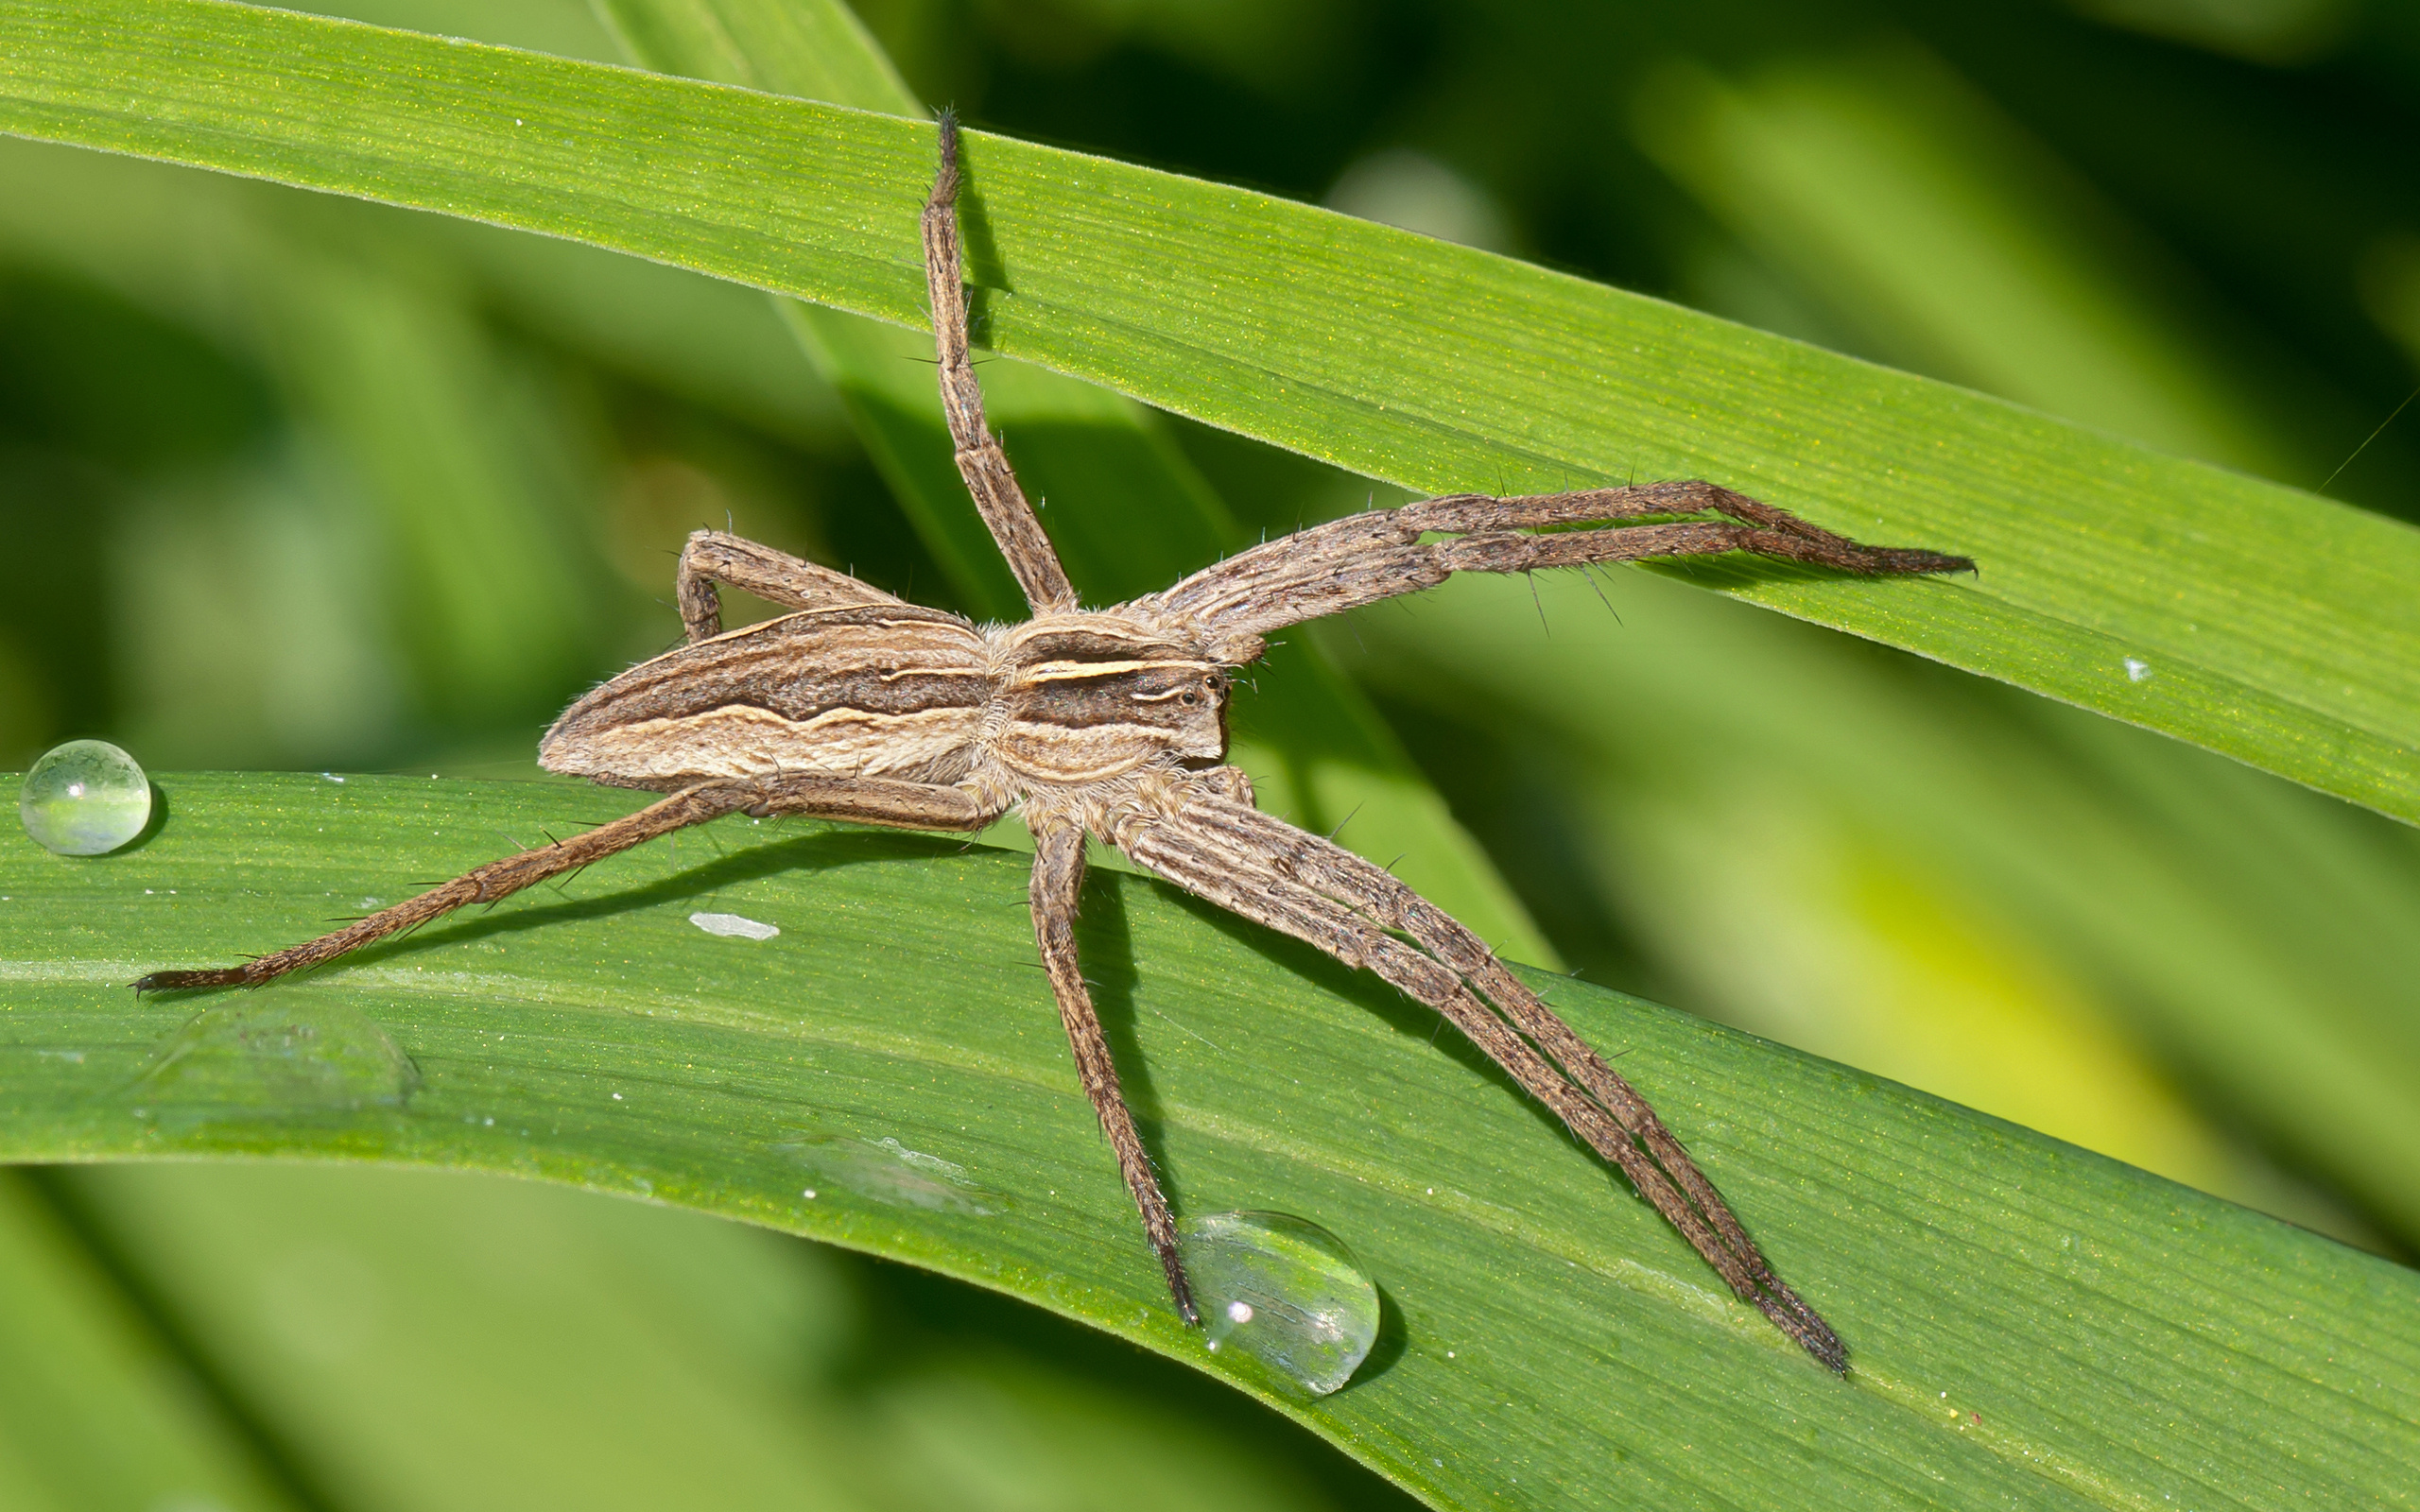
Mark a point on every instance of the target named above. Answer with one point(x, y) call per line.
point(2233, 613)
point(2031, 1325)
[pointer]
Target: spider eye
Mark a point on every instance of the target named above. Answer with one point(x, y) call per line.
point(1185, 698)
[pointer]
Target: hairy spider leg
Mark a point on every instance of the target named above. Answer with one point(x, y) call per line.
point(1059, 855)
point(1364, 558)
point(1259, 846)
point(981, 462)
point(862, 800)
point(776, 576)
point(1058, 881)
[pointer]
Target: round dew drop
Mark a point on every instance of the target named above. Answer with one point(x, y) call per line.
point(1283, 1297)
point(85, 799)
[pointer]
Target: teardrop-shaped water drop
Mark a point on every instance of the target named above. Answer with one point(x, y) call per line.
point(1284, 1297)
point(85, 799)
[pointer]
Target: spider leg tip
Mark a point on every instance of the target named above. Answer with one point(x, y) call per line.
point(181, 981)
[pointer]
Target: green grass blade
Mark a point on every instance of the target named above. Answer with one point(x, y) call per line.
point(2228, 611)
point(2033, 1326)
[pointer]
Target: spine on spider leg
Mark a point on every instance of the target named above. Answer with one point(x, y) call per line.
point(481, 885)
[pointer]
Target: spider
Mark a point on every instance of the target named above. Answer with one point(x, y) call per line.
point(861, 707)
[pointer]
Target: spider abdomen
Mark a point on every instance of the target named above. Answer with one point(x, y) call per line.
point(866, 690)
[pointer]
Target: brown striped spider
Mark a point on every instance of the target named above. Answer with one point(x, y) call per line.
point(861, 707)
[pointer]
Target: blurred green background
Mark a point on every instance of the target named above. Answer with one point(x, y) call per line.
point(298, 483)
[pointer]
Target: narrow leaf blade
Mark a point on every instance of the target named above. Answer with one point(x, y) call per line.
point(2268, 625)
point(2031, 1325)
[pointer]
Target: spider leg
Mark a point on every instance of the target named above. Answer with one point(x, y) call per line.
point(1294, 882)
point(882, 801)
point(1365, 557)
point(1058, 878)
point(717, 556)
point(867, 800)
point(1338, 873)
point(981, 462)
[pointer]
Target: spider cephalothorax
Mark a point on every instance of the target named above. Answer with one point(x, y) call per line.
point(859, 705)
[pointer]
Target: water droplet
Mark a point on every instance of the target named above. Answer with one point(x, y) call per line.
point(258, 1060)
point(1284, 1295)
point(85, 799)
